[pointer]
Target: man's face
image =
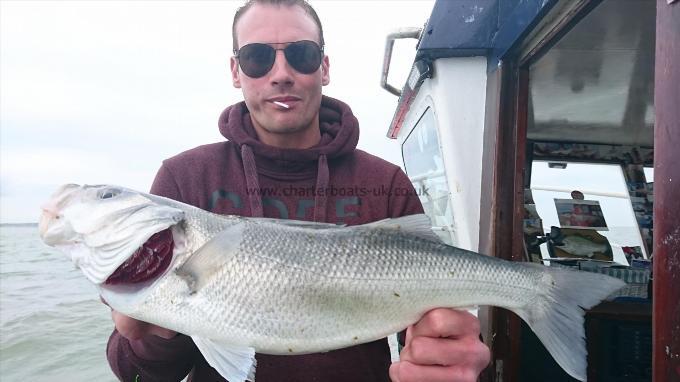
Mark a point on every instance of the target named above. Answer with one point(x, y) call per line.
point(302, 92)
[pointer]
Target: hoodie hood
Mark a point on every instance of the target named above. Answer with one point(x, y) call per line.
point(339, 136)
point(339, 132)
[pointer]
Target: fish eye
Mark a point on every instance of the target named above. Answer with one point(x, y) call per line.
point(108, 193)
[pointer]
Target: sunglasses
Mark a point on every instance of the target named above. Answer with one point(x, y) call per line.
point(257, 59)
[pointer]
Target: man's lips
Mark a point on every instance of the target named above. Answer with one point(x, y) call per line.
point(284, 102)
point(284, 99)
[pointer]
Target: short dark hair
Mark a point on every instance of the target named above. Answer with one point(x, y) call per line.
point(289, 3)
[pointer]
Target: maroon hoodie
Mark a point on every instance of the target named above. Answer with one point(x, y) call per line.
point(330, 182)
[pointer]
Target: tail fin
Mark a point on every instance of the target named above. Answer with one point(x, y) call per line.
point(557, 317)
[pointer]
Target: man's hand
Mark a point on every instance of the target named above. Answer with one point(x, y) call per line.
point(133, 329)
point(443, 346)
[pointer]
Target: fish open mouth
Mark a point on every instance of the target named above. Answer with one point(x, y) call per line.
point(148, 262)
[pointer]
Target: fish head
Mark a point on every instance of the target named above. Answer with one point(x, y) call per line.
point(101, 227)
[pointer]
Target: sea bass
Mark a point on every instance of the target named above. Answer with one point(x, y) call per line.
point(580, 246)
point(240, 285)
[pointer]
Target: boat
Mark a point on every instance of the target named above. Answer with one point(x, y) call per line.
point(545, 131)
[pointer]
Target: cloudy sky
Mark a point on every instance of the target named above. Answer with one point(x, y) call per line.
point(103, 91)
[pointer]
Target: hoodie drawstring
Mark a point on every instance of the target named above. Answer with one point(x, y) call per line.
point(321, 185)
point(339, 130)
point(252, 184)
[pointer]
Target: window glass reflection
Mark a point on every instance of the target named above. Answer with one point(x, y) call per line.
point(425, 167)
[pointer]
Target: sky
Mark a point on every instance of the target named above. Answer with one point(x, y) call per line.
point(102, 91)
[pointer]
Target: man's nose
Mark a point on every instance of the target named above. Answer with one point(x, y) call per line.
point(281, 72)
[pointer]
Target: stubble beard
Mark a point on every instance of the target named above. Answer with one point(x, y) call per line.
point(285, 128)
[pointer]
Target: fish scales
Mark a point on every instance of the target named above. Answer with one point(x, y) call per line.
point(350, 290)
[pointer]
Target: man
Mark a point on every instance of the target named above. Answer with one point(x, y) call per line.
point(288, 149)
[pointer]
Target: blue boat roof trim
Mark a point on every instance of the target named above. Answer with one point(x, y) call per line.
point(463, 28)
point(516, 25)
point(460, 24)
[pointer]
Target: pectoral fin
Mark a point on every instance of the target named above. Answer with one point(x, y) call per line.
point(234, 363)
point(211, 257)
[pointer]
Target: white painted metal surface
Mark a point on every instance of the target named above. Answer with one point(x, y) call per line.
point(457, 95)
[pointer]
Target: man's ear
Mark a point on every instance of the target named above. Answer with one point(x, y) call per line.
point(325, 73)
point(235, 75)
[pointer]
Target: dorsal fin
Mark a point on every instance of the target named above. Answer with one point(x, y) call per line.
point(418, 225)
point(298, 223)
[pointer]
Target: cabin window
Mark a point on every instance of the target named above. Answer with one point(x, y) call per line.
point(604, 184)
point(590, 120)
point(424, 164)
point(596, 85)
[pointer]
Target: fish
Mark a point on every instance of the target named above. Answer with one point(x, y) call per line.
point(579, 246)
point(240, 285)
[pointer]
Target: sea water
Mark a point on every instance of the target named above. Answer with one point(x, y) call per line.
point(52, 325)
